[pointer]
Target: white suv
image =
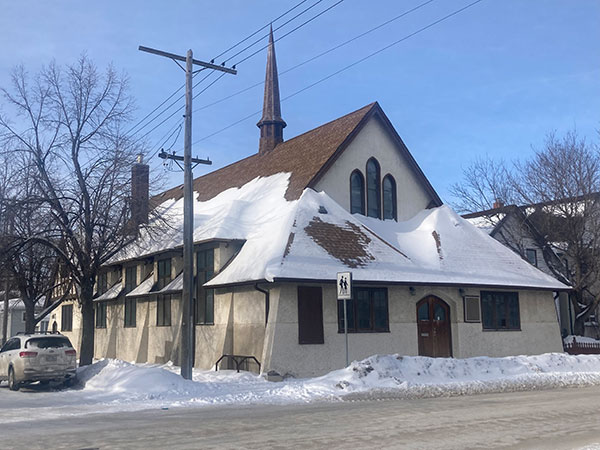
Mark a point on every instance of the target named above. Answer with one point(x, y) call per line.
point(43, 357)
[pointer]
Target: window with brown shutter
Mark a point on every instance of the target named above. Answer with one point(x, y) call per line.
point(310, 315)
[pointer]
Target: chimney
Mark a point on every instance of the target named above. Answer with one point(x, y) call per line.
point(498, 204)
point(271, 124)
point(140, 185)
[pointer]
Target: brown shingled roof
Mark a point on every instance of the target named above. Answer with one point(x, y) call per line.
point(306, 157)
point(302, 156)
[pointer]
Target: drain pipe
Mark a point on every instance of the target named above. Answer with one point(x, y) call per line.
point(267, 301)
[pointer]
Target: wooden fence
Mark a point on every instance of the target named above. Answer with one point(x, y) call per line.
point(582, 348)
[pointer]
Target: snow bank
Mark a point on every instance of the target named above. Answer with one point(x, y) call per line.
point(113, 385)
point(418, 377)
point(402, 376)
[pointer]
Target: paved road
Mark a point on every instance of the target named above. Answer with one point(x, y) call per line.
point(553, 419)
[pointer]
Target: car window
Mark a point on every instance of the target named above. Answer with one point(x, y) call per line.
point(48, 342)
point(11, 344)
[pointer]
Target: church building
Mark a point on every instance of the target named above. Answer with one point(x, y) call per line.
point(272, 231)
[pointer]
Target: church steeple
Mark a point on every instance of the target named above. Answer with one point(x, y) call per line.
point(271, 124)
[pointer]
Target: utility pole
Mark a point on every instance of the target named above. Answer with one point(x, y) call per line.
point(5, 310)
point(187, 322)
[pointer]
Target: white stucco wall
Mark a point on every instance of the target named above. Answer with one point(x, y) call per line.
point(147, 342)
point(539, 330)
point(374, 141)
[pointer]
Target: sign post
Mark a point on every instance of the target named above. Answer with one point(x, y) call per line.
point(344, 293)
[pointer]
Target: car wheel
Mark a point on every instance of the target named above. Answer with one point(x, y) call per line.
point(70, 382)
point(12, 381)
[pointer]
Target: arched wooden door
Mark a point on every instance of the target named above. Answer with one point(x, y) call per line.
point(433, 327)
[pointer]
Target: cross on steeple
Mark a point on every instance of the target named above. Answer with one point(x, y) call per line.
point(271, 124)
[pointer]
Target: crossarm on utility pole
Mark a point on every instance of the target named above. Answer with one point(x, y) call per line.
point(174, 157)
point(183, 58)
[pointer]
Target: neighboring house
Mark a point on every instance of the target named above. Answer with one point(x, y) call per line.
point(271, 232)
point(16, 317)
point(511, 225)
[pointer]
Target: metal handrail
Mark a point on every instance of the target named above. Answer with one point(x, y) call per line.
point(237, 359)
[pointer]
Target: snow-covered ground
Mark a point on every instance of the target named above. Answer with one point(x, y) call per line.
point(113, 385)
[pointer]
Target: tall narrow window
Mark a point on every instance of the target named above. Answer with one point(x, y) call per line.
point(205, 266)
point(101, 315)
point(164, 272)
point(102, 285)
point(66, 318)
point(163, 302)
point(130, 312)
point(389, 198)
point(130, 279)
point(357, 193)
point(163, 310)
point(373, 188)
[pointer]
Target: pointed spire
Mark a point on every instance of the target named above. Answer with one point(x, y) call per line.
point(271, 124)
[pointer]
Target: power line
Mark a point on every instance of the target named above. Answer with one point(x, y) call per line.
point(387, 22)
point(290, 32)
point(168, 108)
point(138, 123)
point(260, 29)
point(166, 137)
point(408, 36)
point(260, 39)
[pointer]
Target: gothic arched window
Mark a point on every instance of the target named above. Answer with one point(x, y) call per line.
point(373, 189)
point(389, 198)
point(357, 193)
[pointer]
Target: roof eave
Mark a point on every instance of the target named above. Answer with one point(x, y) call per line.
point(389, 283)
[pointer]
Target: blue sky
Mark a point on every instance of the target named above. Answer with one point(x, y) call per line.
point(494, 79)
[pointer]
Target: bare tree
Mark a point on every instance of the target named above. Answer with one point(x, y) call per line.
point(557, 191)
point(486, 182)
point(32, 266)
point(69, 126)
point(562, 180)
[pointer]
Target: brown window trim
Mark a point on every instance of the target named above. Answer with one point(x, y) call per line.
point(507, 328)
point(352, 329)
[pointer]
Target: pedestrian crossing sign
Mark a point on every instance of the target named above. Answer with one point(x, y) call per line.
point(344, 285)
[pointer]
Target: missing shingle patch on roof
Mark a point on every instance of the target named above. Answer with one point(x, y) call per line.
point(438, 243)
point(288, 245)
point(347, 243)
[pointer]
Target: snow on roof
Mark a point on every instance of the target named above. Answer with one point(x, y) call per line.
point(321, 238)
point(111, 293)
point(258, 206)
point(314, 238)
point(450, 249)
point(143, 288)
point(486, 224)
point(17, 304)
point(13, 303)
point(174, 286)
